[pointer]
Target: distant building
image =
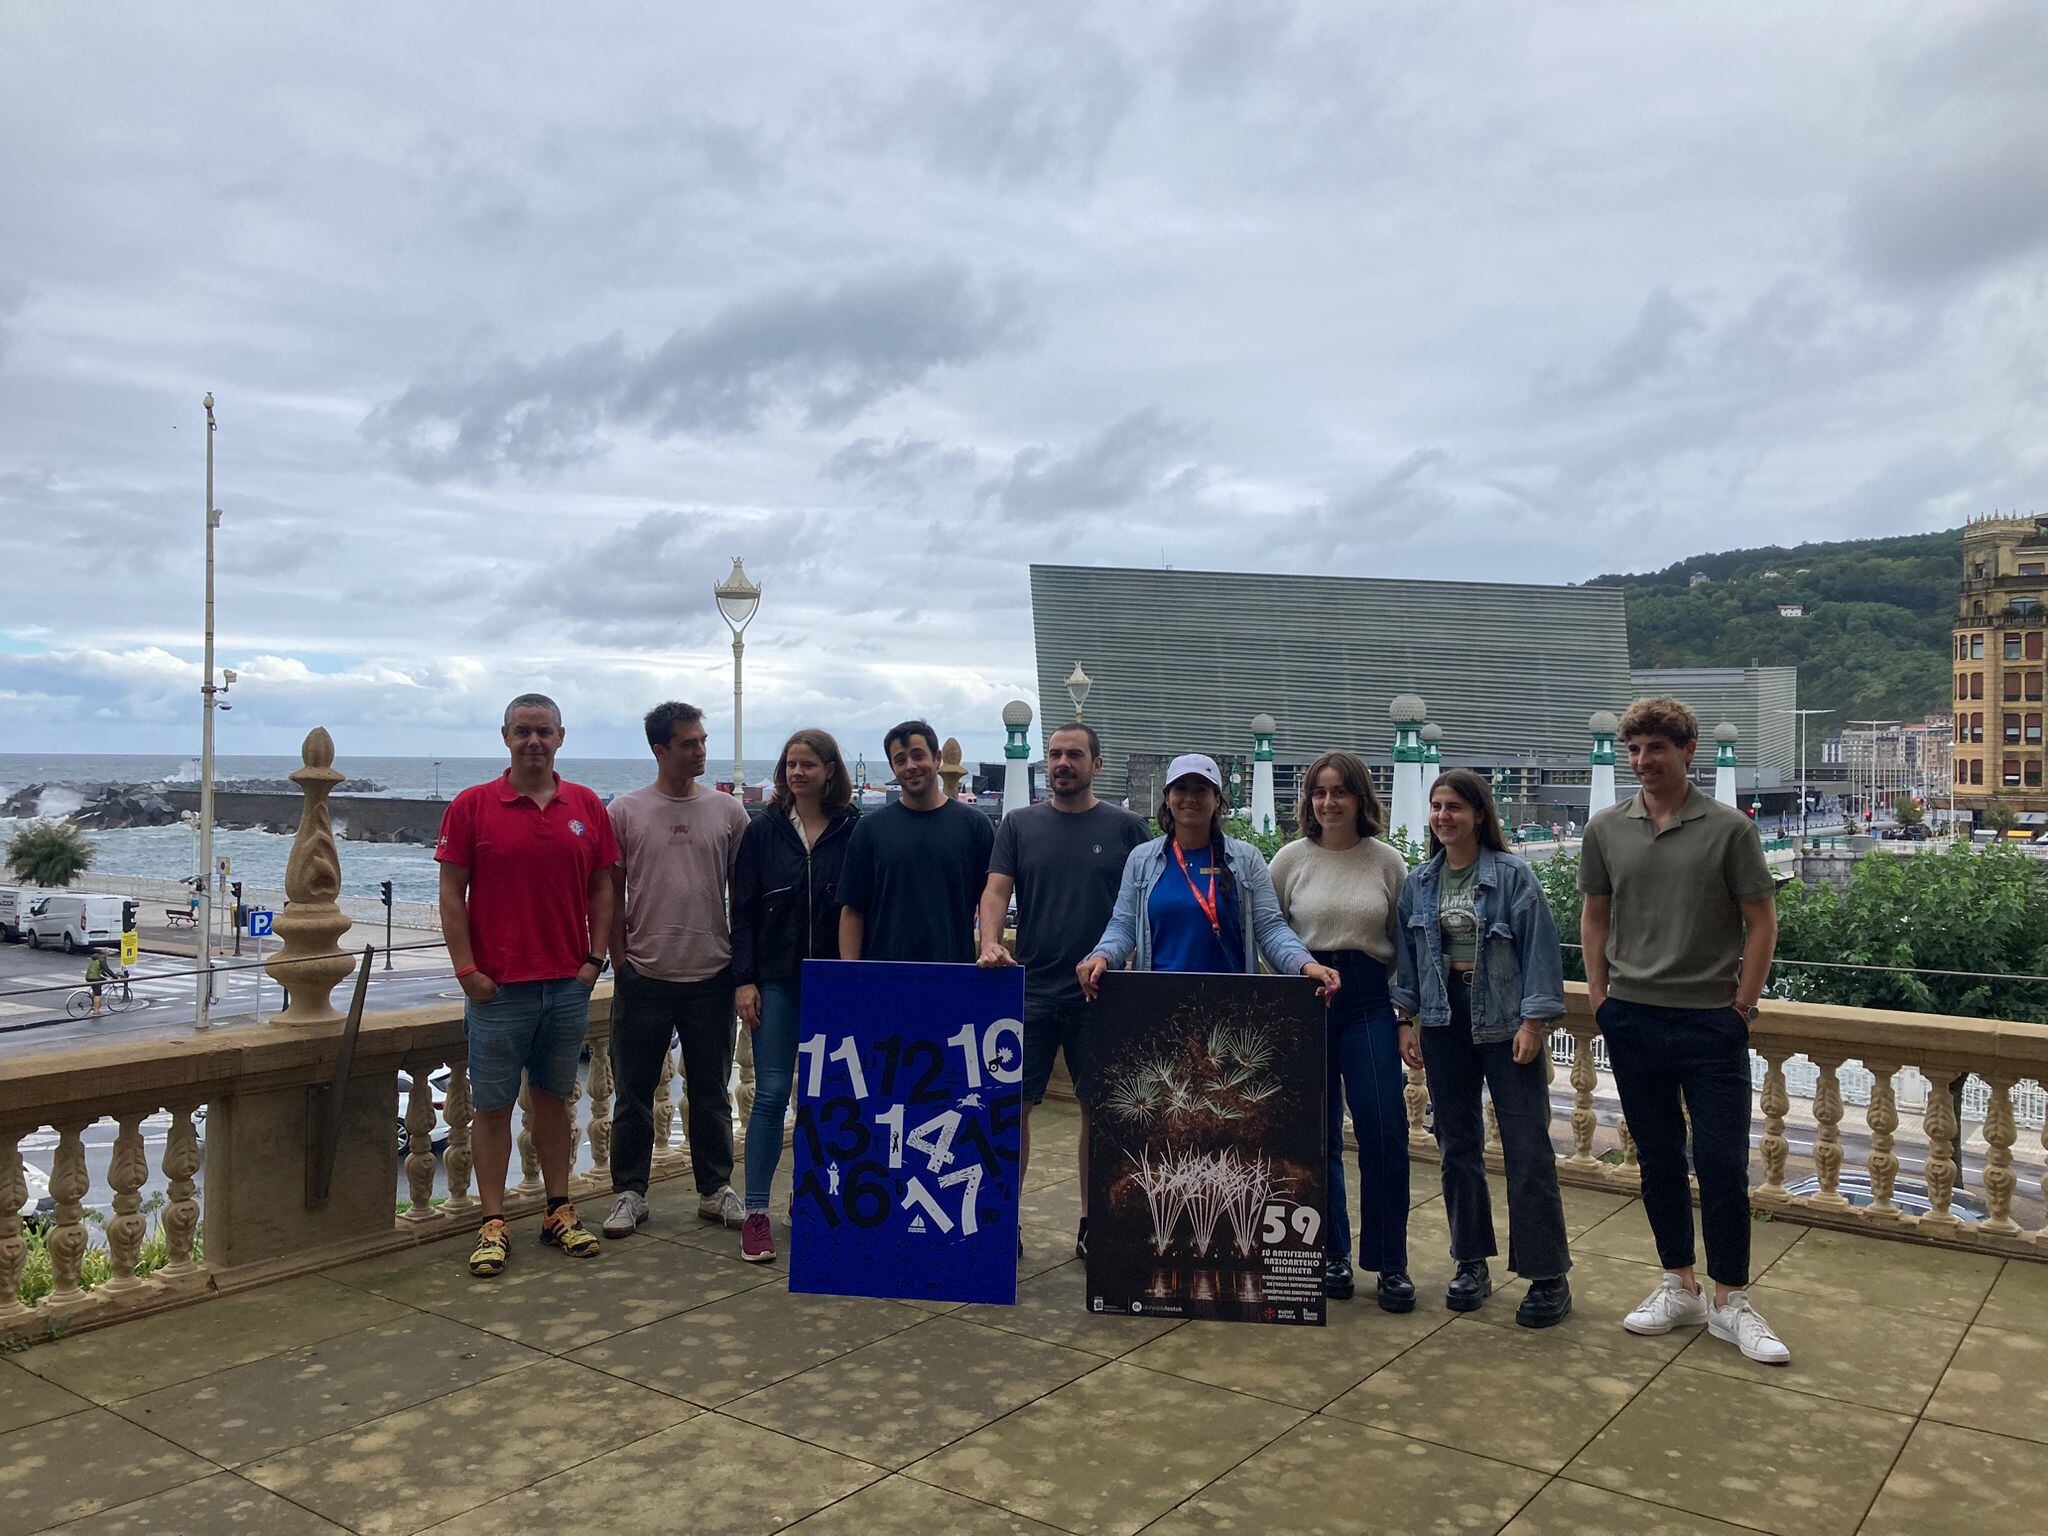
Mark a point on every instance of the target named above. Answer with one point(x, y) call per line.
point(1791, 610)
point(2001, 627)
point(1697, 579)
point(1760, 702)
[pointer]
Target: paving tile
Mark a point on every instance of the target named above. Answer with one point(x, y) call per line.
point(1514, 1394)
point(1951, 1479)
point(272, 1404)
point(1744, 1452)
point(709, 1474)
point(1867, 1355)
point(551, 1301)
point(1876, 1272)
point(1626, 1235)
point(68, 1468)
point(1998, 1382)
point(1110, 1452)
point(222, 1502)
point(1328, 1477)
point(714, 1353)
point(1604, 1291)
point(2019, 1298)
point(1573, 1509)
point(899, 1503)
point(904, 1396)
point(407, 1470)
point(1301, 1367)
point(1055, 1205)
point(27, 1399)
point(1054, 1307)
point(150, 1352)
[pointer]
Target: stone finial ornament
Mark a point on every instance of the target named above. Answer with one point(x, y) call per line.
point(951, 769)
point(309, 964)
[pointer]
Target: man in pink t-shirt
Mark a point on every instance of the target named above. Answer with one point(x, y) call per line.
point(672, 939)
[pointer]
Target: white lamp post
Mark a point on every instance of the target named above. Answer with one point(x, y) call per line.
point(1265, 815)
point(1411, 809)
point(1078, 684)
point(737, 600)
point(1016, 756)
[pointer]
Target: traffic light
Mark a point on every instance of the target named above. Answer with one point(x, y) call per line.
point(130, 910)
point(235, 890)
point(387, 892)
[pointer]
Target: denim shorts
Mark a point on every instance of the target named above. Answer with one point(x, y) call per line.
point(1050, 1028)
point(535, 1027)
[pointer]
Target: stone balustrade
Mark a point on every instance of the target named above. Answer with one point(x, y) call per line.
point(1889, 1047)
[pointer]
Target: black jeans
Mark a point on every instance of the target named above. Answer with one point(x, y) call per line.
point(1457, 1066)
point(1700, 1057)
point(646, 1015)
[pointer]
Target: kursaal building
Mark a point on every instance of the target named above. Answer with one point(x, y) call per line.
point(1511, 675)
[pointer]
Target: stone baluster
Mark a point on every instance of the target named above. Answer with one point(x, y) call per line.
point(1492, 1128)
point(1630, 1173)
point(529, 1157)
point(2041, 1237)
point(1999, 1135)
point(1585, 1078)
point(1939, 1122)
point(1775, 1102)
point(664, 1110)
point(13, 1246)
point(181, 1204)
point(746, 1056)
point(1415, 1096)
point(1827, 1142)
point(69, 1185)
point(458, 1161)
point(419, 1127)
point(1883, 1118)
point(127, 1172)
point(601, 1113)
point(570, 1106)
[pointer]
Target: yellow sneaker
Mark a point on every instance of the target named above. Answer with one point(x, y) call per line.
point(488, 1257)
point(560, 1229)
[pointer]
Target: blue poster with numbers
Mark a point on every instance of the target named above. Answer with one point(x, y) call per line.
point(908, 1109)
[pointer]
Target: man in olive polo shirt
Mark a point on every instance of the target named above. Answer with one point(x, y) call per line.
point(1679, 926)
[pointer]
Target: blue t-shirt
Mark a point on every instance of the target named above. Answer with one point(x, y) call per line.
point(1182, 939)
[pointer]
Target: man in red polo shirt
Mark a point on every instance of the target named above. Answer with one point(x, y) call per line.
point(526, 910)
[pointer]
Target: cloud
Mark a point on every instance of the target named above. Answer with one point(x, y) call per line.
point(903, 467)
point(823, 353)
point(1144, 454)
point(1643, 353)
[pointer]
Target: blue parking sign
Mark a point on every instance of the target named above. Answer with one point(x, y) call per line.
point(259, 923)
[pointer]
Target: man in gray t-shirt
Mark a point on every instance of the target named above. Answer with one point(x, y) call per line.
point(1063, 859)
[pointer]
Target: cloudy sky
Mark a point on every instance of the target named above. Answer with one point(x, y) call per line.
point(523, 321)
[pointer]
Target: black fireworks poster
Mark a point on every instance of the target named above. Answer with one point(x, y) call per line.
point(1208, 1160)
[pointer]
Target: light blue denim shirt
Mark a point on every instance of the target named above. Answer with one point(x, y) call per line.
point(1129, 934)
point(1518, 970)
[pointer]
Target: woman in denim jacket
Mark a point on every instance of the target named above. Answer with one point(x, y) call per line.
point(1478, 979)
point(1196, 900)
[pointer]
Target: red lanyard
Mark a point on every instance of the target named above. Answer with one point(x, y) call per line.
point(1206, 903)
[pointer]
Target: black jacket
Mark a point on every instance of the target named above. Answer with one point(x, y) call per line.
point(785, 899)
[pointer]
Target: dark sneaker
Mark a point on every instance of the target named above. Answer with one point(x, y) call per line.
point(757, 1239)
point(1397, 1291)
point(1471, 1285)
point(1547, 1303)
point(1081, 1239)
point(1337, 1278)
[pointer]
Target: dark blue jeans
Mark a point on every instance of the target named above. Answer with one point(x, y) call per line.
point(1365, 1070)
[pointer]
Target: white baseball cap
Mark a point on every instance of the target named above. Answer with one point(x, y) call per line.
point(1197, 764)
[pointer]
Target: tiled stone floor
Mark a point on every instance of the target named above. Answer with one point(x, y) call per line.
point(666, 1385)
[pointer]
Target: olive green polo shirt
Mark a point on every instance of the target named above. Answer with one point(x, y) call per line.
point(1675, 935)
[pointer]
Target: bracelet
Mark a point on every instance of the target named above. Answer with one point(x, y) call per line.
point(467, 970)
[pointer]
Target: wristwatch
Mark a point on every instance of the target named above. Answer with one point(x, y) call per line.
point(1750, 1013)
point(599, 961)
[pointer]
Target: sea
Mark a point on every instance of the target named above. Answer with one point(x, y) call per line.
point(258, 858)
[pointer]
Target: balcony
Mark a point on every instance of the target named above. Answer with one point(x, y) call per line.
point(337, 1368)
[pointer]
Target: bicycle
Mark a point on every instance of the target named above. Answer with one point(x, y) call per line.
point(119, 998)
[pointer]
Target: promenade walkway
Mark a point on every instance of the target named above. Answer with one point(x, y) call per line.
point(668, 1386)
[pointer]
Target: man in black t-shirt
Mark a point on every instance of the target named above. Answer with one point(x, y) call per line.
point(915, 869)
point(1064, 860)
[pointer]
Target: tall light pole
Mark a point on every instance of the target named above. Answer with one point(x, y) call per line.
point(737, 600)
point(1078, 684)
point(1873, 727)
point(1802, 714)
point(202, 1007)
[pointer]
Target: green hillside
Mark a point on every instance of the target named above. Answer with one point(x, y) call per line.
point(1875, 639)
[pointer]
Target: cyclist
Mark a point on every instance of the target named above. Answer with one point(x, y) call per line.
point(97, 974)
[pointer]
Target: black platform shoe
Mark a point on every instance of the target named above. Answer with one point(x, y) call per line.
point(1397, 1291)
point(1471, 1285)
point(1548, 1303)
point(1337, 1278)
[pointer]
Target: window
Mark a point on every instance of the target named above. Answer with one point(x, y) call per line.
point(1962, 648)
point(1977, 571)
point(1977, 771)
point(2012, 647)
point(2034, 639)
point(2034, 567)
point(1976, 647)
point(2012, 686)
point(2033, 730)
point(1976, 685)
point(2012, 730)
point(1977, 726)
point(1962, 728)
point(1977, 609)
point(1962, 685)
point(2012, 773)
point(2033, 770)
point(2033, 686)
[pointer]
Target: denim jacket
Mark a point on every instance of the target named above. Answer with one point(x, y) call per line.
point(1129, 934)
point(1518, 971)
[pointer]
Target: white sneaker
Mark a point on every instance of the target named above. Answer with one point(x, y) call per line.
point(629, 1213)
point(1744, 1327)
point(1669, 1306)
point(723, 1205)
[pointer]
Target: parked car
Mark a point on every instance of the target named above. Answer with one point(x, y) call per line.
point(437, 1085)
point(1909, 1195)
point(74, 922)
point(12, 900)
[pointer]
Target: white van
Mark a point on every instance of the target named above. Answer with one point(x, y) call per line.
point(75, 922)
point(12, 901)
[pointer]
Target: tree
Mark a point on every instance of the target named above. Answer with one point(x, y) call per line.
point(2001, 818)
point(50, 853)
point(1906, 811)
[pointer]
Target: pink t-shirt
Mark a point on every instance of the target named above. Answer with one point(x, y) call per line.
point(678, 856)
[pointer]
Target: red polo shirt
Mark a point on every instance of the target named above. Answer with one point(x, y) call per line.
point(529, 875)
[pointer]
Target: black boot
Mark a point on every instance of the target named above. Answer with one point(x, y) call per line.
point(1548, 1303)
point(1471, 1285)
point(1397, 1291)
point(1337, 1278)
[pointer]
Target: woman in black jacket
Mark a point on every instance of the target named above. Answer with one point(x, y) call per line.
point(785, 910)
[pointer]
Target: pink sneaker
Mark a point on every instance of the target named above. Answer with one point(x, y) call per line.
point(757, 1238)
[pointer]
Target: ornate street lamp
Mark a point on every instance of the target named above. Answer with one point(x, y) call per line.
point(1078, 684)
point(738, 598)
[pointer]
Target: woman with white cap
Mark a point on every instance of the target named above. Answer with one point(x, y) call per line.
point(1195, 900)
